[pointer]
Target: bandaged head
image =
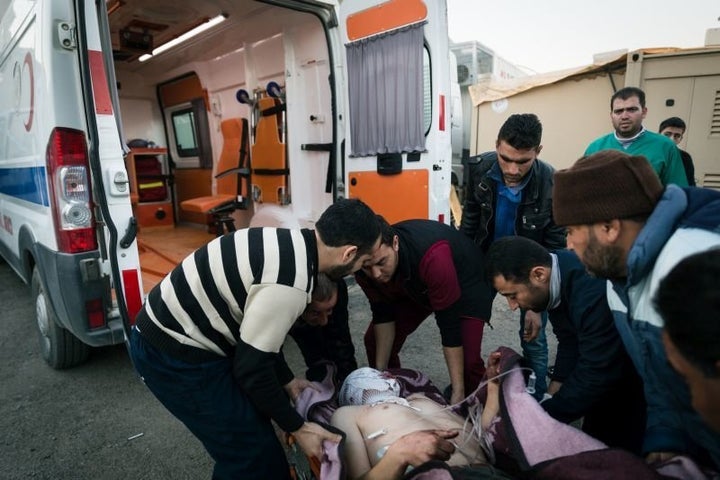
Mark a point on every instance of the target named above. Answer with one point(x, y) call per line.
point(366, 386)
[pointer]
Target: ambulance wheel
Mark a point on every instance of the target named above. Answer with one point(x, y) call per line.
point(59, 348)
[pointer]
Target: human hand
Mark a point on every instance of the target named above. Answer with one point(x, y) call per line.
point(554, 387)
point(659, 457)
point(310, 437)
point(493, 367)
point(297, 385)
point(533, 323)
point(419, 447)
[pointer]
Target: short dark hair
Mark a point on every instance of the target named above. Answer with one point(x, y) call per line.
point(349, 222)
point(521, 131)
point(387, 232)
point(324, 288)
point(676, 122)
point(689, 303)
point(513, 258)
point(628, 92)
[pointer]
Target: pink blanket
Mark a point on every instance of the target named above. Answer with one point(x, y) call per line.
point(536, 444)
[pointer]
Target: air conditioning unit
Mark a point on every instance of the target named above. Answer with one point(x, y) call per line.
point(473, 60)
point(463, 73)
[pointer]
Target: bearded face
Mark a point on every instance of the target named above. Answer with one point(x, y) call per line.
point(604, 261)
point(339, 271)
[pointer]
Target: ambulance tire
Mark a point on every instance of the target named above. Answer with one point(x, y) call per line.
point(59, 348)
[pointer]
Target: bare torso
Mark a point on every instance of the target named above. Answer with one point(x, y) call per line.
point(382, 424)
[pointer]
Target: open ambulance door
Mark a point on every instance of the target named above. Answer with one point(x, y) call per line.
point(308, 94)
point(398, 128)
point(116, 227)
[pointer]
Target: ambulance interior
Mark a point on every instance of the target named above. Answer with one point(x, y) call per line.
point(230, 122)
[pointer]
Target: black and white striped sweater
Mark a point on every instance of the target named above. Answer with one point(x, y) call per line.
point(237, 297)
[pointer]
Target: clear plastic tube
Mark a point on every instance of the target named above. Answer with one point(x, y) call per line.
point(532, 378)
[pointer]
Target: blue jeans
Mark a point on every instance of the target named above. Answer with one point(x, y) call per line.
point(207, 400)
point(536, 354)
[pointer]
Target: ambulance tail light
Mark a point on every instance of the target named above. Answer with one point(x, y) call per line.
point(95, 313)
point(70, 195)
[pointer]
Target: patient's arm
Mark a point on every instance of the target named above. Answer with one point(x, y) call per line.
point(413, 449)
point(355, 453)
point(492, 403)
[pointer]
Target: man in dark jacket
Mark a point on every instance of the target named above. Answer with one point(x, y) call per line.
point(509, 192)
point(688, 301)
point(322, 332)
point(593, 376)
point(674, 129)
point(424, 267)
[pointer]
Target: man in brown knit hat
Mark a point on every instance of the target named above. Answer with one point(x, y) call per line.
point(626, 227)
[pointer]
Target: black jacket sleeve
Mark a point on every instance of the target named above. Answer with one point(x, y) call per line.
point(256, 373)
point(554, 237)
point(331, 342)
point(282, 371)
point(337, 336)
point(590, 356)
point(472, 213)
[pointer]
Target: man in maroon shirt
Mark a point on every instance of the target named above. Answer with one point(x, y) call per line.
point(424, 267)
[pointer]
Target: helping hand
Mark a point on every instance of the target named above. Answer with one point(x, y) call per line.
point(493, 367)
point(297, 385)
point(420, 447)
point(533, 324)
point(659, 457)
point(310, 437)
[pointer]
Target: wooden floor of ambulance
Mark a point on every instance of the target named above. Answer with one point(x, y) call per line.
point(162, 248)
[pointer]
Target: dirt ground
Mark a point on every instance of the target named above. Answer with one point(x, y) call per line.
point(98, 421)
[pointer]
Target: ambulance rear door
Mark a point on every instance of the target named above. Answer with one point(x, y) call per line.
point(398, 131)
point(117, 227)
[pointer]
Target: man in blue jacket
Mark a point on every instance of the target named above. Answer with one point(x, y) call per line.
point(593, 377)
point(626, 227)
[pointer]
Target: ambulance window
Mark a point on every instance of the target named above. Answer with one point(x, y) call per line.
point(183, 122)
point(427, 91)
point(389, 101)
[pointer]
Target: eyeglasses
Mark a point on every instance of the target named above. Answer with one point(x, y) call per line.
point(619, 111)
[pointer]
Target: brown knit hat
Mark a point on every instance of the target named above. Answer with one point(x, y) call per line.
point(603, 186)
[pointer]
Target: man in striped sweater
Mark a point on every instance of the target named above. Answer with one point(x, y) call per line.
point(208, 340)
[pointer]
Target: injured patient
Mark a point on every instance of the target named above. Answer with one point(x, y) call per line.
point(390, 429)
point(386, 434)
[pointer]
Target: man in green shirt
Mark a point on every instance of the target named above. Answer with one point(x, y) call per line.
point(627, 112)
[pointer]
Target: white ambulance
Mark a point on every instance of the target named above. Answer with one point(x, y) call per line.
point(134, 131)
